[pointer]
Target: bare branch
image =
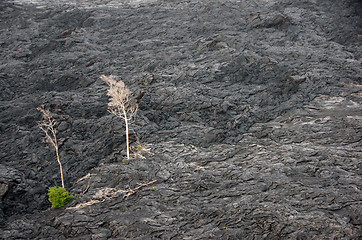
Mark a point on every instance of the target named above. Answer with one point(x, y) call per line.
point(132, 191)
point(47, 125)
point(120, 102)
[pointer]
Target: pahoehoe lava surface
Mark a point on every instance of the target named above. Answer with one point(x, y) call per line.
point(250, 119)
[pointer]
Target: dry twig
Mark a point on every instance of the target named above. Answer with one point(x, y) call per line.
point(120, 103)
point(132, 191)
point(47, 125)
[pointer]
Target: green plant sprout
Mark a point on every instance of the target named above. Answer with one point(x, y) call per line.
point(58, 196)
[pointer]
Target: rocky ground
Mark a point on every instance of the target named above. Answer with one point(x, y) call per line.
point(250, 120)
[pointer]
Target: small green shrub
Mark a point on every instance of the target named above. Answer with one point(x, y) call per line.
point(58, 196)
point(84, 189)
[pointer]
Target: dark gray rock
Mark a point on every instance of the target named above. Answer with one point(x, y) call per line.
point(249, 119)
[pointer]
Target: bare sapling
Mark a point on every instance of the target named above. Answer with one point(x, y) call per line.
point(120, 103)
point(47, 125)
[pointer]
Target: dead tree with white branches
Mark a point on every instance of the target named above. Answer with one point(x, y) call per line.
point(47, 125)
point(120, 103)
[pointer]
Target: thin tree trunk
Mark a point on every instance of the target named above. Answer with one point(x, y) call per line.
point(60, 166)
point(127, 138)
